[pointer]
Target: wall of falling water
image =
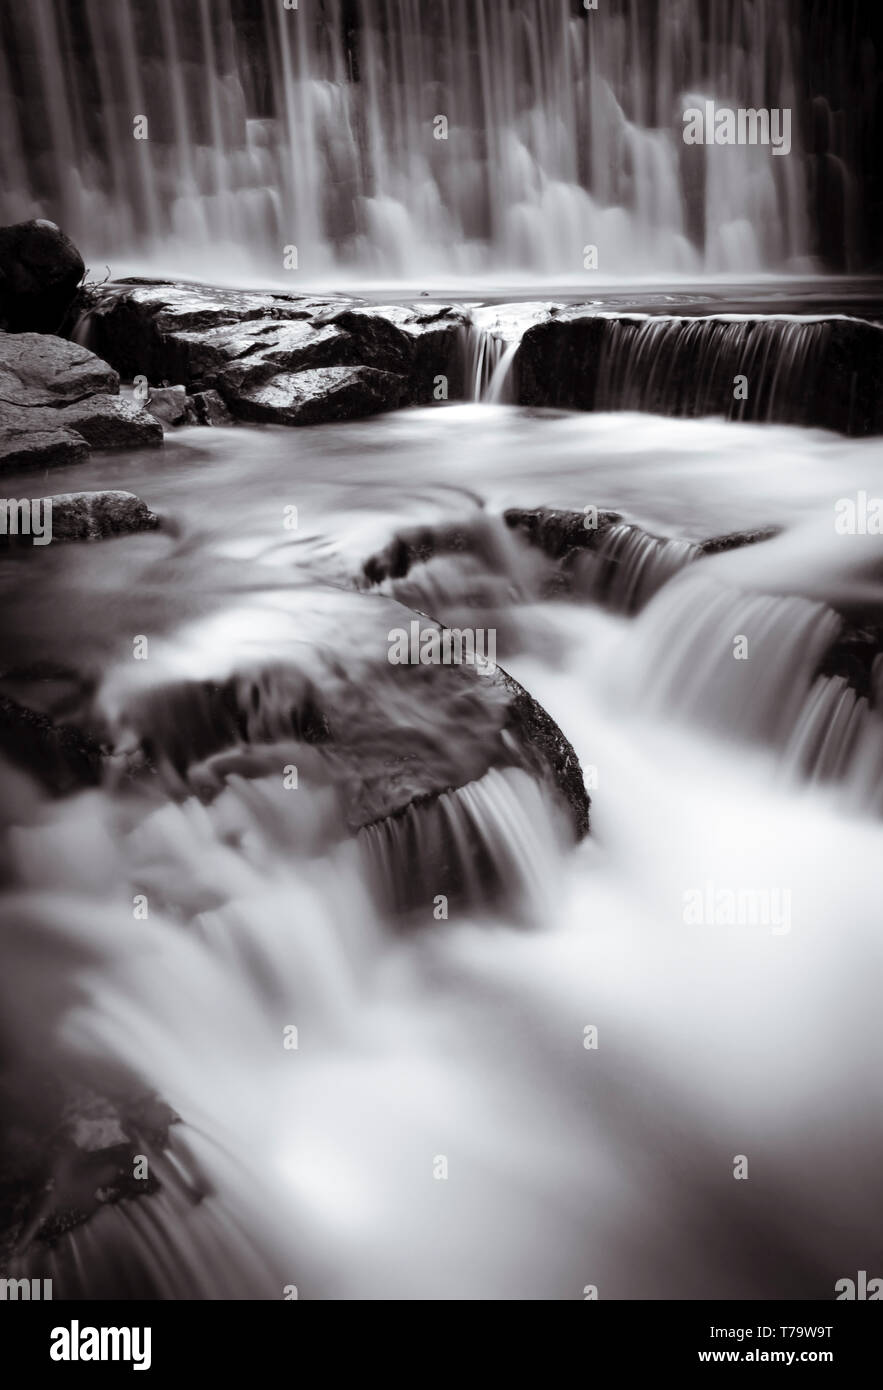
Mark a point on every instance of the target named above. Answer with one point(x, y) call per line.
point(317, 128)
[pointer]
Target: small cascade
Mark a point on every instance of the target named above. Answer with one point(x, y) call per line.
point(630, 566)
point(177, 1243)
point(739, 663)
point(681, 366)
point(838, 739)
point(494, 840)
point(823, 743)
point(500, 389)
point(484, 350)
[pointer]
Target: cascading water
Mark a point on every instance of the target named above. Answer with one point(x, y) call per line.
point(460, 1036)
point(306, 926)
point(404, 140)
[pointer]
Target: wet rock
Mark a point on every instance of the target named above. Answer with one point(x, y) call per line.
point(736, 539)
point(417, 545)
point(62, 758)
point(599, 556)
point(237, 361)
point(171, 405)
point(37, 369)
point(93, 516)
point(323, 395)
point(548, 751)
point(57, 399)
point(210, 409)
point(244, 345)
point(184, 332)
point(109, 422)
point(67, 1150)
point(28, 448)
point(824, 373)
point(558, 532)
point(857, 657)
point(40, 269)
point(381, 736)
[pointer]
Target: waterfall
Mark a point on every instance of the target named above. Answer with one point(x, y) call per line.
point(688, 366)
point(797, 369)
point(630, 566)
point(400, 140)
point(484, 350)
point(490, 841)
point(490, 359)
point(740, 663)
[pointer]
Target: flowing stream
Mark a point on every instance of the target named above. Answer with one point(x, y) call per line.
point(463, 1039)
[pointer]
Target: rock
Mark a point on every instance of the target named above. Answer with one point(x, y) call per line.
point(379, 756)
point(22, 449)
point(614, 562)
point(247, 346)
point(110, 422)
point(93, 516)
point(736, 539)
point(38, 369)
point(61, 757)
point(557, 532)
point(322, 395)
point(40, 269)
point(170, 405)
point(823, 372)
point(184, 333)
point(855, 656)
point(57, 399)
point(548, 751)
point(210, 409)
point(69, 1150)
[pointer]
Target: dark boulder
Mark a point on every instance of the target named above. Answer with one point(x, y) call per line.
point(60, 757)
point(40, 269)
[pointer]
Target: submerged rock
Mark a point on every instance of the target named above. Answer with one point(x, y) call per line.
point(40, 269)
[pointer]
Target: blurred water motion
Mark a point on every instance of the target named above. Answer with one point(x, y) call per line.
point(463, 1038)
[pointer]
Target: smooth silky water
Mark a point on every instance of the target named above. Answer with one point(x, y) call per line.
point(313, 130)
point(464, 1038)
